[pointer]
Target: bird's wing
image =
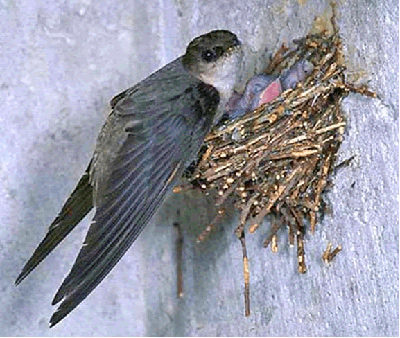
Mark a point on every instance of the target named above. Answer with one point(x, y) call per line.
point(121, 96)
point(157, 127)
point(75, 208)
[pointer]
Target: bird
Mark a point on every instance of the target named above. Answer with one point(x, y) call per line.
point(154, 131)
point(263, 88)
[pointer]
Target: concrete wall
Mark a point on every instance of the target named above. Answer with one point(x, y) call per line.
point(61, 62)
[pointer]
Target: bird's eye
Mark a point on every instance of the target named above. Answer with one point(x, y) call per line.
point(209, 55)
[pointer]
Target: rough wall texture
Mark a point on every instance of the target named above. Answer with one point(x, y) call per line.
point(60, 64)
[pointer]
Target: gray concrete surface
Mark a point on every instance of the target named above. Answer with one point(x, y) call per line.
point(61, 62)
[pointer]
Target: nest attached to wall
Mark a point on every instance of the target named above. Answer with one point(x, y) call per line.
point(277, 160)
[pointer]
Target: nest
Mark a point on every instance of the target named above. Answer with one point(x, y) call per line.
point(277, 160)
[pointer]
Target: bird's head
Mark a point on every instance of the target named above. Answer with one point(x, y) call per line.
point(215, 58)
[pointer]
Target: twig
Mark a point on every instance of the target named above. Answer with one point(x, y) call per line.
point(206, 232)
point(246, 273)
point(179, 254)
point(328, 256)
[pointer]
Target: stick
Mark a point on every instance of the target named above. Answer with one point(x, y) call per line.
point(246, 273)
point(179, 254)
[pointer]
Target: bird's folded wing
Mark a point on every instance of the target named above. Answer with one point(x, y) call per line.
point(146, 164)
point(75, 208)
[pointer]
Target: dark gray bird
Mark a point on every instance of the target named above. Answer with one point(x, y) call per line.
point(154, 131)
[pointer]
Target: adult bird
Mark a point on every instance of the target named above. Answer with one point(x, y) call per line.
point(154, 131)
